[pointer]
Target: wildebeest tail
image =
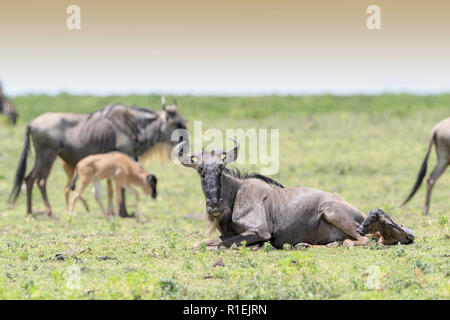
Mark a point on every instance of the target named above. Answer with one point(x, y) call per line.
point(74, 179)
point(422, 172)
point(21, 169)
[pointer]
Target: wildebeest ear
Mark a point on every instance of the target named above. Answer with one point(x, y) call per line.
point(174, 102)
point(163, 102)
point(151, 179)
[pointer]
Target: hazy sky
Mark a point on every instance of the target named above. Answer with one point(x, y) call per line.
point(225, 47)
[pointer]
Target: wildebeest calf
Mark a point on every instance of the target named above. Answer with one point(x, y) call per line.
point(117, 167)
point(380, 226)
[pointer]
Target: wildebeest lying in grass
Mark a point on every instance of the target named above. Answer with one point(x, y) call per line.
point(132, 130)
point(117, 167)
point(440, 137)
point(7, 107)
point(380, 226)
point(254, 208)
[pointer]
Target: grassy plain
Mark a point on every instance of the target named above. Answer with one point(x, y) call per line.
point(367, 148)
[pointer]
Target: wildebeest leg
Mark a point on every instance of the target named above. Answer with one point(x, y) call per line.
point(42, 184)
point(343, 217)
point(98, 197)
point(250, 237)
point(119, 199)
point(123, 207)
point(77, 193)
point(329, 245)
point(30, 179)
point(41, 171)
point(83, 201)
point(136, 195)
point(110, 209)
point(440, 167)
point(69, 170)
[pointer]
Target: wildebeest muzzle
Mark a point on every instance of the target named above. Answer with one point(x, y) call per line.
point(216, 209)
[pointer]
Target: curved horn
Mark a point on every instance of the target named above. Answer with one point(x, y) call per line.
point(232, 155)
point(174, 102)
point(163, 102)
point(185, 159)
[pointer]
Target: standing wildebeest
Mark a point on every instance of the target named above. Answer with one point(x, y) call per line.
point(131, 130)
point(440, 137)
point(254, 208)
point(7, 107)
point(117, 167)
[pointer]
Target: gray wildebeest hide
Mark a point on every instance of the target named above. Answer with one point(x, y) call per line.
point(440, 138)
point(117, 127)
point(7, 107)
point(255, 209)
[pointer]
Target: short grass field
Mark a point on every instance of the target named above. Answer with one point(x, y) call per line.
point(367, 148)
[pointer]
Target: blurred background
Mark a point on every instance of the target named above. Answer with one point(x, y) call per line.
point(232, 47)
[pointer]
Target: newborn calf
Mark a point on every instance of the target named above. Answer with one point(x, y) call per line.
point(379, 225)
point(117, 167)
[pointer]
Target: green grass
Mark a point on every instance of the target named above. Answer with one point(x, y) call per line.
point(367, 148)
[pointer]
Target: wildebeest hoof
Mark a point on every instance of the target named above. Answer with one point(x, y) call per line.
point(348, 243)
point(302, 246)
point(256, 247)
point(197, 245)
point(333, 244)
point(140, 220)
point(218, 263)
point(234, 246)
point(60, 257)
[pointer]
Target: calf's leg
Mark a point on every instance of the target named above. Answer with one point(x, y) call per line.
point(123, 207)
point(119, 198)
point(69, 170)
point(110, 209)
point(136, 195)
point(98, 197)
point(77, 193)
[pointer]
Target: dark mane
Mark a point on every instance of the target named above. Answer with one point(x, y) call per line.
point(235, 172)
point(106, 110)
point(143, 109)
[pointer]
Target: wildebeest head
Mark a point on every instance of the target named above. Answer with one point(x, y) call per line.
point(150, 185)
point(209, 165)
point(157, 130)
point(7, 107)
point(378, 221)
point(172, 118)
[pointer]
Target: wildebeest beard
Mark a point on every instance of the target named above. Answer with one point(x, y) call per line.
point(212, 188)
